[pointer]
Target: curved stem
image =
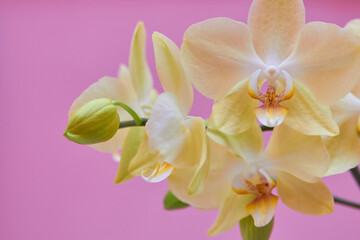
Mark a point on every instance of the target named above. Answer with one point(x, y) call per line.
point(356, 174)
point(346, 202)
point(132, 123)
point(134, 115)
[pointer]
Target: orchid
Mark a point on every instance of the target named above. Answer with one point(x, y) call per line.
point(240, 183)
point(133, 86)
point(306, 67)
point(171, 139)
point(305, 78)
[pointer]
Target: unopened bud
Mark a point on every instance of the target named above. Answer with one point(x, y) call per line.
point(96, 121)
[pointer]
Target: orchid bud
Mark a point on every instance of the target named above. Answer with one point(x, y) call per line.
point(96, 121)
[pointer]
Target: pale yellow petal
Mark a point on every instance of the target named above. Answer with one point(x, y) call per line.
point(114, 144)
point(139, 69)
point(217, 53)
point(247, 144)
point(301, 155)
point(326, 59)
point(354, 27)
point(197, 128)
point(194, 148)
point(231, 212)
point(356, 90)
point(275, 25)
point(189, 152)
point(143, 159)
point(119, 89)
point(130, 148)
point(170, 71)
point(262, 209)
point(308, 198)
point(235, 112)
point(307, 115)
point(344, 149)
point(217, 184)
point(348, 107)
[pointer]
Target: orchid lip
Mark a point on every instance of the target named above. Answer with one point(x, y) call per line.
point(258, 182)
point(157, 173)
point(271, 113)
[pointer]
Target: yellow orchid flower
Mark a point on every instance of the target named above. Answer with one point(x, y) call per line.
point(344, 149)
point(133, 86)
point(306, 68)
point(240, 183)
point(171, 140)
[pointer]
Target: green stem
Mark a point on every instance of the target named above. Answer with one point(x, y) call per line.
point(356, 174)
point(346, 202)
point(132, 123)
point(137, 119)
point(266, 128)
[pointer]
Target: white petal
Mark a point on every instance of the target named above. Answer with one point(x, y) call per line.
point(166, 127)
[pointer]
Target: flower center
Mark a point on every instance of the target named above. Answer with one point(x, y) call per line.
point(259, 183)
point(271, 113)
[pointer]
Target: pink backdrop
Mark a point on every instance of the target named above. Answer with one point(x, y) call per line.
point(50, 188)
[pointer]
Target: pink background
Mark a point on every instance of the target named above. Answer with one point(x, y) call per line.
point(50, 188)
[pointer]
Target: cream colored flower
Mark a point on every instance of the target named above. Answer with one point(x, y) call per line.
point(306, 68)
point(171, 140)
point(133, 86)
point(240, 182)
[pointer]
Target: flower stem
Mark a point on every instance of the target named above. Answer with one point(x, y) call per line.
point(356, 174)
point(132, 123)
point(346, 202)
point(133, 114)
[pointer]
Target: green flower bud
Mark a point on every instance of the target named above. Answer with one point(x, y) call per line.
point(97, 121)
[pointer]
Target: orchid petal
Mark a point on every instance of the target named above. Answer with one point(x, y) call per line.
point(354, 27)
point(304, 197)
point(247, 144)
point(197, 129)
point(216, 54)
point(171, 73)
point(231, 212)
point(262, 209)
point(139, 69)
point(275, 25)
point(144, 159)
point(346, 108)
point(166, 127)
point(130, 148)
point(326, 60)
point(308, 116)
point(235, 112)
point(344, 149)
point(301, 155)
